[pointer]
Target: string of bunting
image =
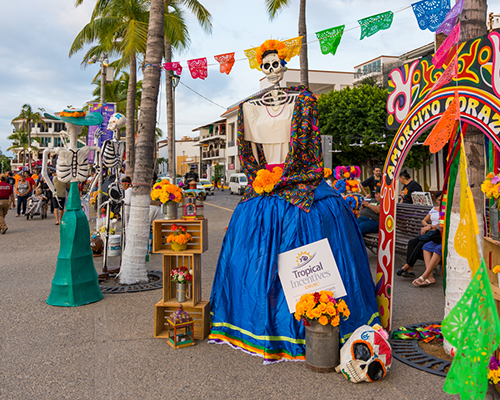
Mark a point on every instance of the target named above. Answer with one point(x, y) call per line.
point(435, 15)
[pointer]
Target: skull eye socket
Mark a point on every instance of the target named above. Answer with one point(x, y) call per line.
point(276, 64)
point(375, 371)
point(361, 351)
point(267, 65)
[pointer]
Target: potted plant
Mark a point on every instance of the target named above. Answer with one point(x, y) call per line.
point(320, 312)
point(169, 196)
point(179, 238)
point(181, 276)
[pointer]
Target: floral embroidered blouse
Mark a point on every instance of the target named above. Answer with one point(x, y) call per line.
point(303, 167)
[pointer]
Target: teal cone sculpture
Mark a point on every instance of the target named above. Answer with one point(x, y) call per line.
point(75, 281)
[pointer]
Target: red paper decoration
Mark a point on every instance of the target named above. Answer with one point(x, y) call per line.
point(226, 62)
point(173, 66)
point(445, 127)
point(198, 68)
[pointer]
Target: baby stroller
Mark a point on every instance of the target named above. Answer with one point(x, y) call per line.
point(36, 206)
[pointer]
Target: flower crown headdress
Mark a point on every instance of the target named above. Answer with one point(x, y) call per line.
point(272, 45)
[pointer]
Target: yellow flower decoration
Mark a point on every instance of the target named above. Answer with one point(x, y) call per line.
point(496, 270)
point(323, 320)
point(270, 45)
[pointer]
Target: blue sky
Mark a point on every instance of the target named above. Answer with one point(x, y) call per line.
point(36, 37)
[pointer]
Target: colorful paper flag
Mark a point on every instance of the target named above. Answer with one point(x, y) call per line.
point(329, 39)
point(173, 66)
point(198, 68)
point(431, 13)
point(441, 53)
point(371, 25)
point(451, 18)
point(449, 73)
point(441, 133)
point(226, 62)
point(473, 328)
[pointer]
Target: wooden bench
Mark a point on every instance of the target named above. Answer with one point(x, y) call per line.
point(408, 224)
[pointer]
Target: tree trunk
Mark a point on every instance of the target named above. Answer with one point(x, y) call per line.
point(134, 269)
point(170, 112)
point(304, 67)
point(130, 129)
point(458, 273)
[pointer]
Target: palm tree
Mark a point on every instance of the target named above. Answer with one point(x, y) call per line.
point(133, 268)
point(473, 24)
point(29, 117)
point(273, 8)
point(21, 139)
point(177, 42)
point(120, 27)
point(116, 92)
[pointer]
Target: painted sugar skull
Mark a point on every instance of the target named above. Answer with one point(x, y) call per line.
point(117, 121)
point(272, 56)
point(366, 356)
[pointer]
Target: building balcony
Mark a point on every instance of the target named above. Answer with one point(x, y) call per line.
point(209, 138)
point(213, 154)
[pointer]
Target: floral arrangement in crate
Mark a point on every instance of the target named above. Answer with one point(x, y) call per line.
point(180, 235)
point(265, 180)
point(491, 186)
point(349, 172)
point(494, 372)
point(181, 275)
point(165, 192)
point(322, 307)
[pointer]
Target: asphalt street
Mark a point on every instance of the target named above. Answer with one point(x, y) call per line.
point(106, 350)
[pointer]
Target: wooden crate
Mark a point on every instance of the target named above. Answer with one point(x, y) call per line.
point(193, 263)
point(200, 314)
point(197, 228)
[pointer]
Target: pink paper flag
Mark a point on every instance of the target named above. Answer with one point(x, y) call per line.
point(173, 66)
point(198, 68)
point(441, 53)
point(449, 73)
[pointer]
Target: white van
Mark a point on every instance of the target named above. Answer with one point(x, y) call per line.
point(237, 183)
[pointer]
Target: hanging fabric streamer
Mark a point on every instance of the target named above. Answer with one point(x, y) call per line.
point(371, 25)
point(226, 62)
point(173, 66)
point(449, 73)
point(442, 53)
point(451, 18)
point(329, 39)
point(198, 68)
point(430, 13)
point(441, 133)
point(473, 328)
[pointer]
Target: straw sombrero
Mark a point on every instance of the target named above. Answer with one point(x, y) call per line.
point(77, 117)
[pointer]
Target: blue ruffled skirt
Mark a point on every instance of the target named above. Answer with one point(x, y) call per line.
point(248, 306)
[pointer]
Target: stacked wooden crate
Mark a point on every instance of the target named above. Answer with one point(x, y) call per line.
point(191, 259)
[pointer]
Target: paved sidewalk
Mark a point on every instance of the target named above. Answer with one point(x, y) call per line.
point(106, 350)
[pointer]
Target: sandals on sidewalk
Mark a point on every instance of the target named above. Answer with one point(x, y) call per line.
point(422, 282)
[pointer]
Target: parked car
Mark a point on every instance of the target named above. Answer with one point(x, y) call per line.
point(208, 186)
point(237, 183)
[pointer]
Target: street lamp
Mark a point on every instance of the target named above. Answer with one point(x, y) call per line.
point(175, 82)
point(104, 64)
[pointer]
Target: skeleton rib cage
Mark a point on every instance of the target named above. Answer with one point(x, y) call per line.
point(112, 154)
point(284, 96)
point(72, 165)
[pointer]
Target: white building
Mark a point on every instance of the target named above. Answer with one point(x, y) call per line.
point(212, 142)
point(374, 68)
point(187, 154)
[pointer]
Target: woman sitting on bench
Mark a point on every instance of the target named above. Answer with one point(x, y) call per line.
point(429, 233)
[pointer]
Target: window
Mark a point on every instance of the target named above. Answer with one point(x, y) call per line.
point(243, 178)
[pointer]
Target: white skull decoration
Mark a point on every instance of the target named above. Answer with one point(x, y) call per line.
point(366, 356)
point(271, 66)
point(117, 121)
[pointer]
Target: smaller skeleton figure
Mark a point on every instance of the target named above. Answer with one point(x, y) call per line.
point(72, 163)
point(113, 150)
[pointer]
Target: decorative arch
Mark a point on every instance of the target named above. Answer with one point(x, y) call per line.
point(477, 83)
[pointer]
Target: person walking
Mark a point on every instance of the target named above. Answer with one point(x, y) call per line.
point(6, 195)
point(222, 183)
point(12, 182)
point(23, 192)
point(59, 198)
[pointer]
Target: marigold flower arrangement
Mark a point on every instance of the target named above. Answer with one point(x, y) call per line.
point(265, 181)
point(164, 191)
point(181, 275)
point(180, 235)
point(327, 172)
point(270, 45)
point(349, 172)
point(321, 306)
point(494, 372)
point(491, 186)
point(74, 113)
point(352, 185)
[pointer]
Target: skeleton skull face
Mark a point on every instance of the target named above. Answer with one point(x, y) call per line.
point(117, 121)
point(366, 356)
point(271, 66)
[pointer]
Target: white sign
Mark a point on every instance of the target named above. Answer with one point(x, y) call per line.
point(309, 269)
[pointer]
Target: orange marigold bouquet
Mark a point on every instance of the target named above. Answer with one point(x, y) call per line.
point(321, 306)
point(164, 191)
point(352, 185)
point(327, 172)
point(265, 181)
point(180, 235)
